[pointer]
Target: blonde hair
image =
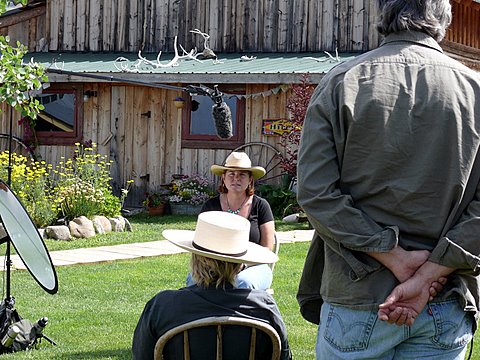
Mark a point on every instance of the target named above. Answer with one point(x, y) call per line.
point(208, 272)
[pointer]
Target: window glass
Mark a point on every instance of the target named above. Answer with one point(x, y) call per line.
point(198, 125)
point(59, 112)
point(60, 123)
point(201, 120)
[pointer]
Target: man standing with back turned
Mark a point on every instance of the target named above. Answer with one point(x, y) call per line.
point(388, 174)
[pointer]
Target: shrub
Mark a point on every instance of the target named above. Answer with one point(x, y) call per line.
point(84, 185)
point(31, 182)
point(282, 201)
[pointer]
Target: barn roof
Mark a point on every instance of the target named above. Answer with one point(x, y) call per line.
point(252, 68)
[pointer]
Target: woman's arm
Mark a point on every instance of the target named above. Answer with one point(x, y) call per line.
point(267, 234)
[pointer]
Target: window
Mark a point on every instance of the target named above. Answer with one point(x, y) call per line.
point(60, 123)
point(198, 127)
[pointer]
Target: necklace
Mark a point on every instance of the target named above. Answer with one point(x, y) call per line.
point(235, 212)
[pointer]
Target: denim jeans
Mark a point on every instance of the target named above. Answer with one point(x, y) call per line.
point(441, 332)
point(253, 277)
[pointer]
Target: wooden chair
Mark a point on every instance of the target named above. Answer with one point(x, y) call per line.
point(276, 248)
point(220, 322)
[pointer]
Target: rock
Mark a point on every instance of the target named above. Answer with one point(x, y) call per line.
point(58, 232)
point(98, 227)
point(103, 222)
point(81, 227)
point(128, 226)
point(3, 233)
point(118, 225)
point(42, 233)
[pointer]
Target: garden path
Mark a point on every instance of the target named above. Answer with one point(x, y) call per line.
point(136, 250)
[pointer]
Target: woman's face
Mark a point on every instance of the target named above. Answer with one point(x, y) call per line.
point(237, 180)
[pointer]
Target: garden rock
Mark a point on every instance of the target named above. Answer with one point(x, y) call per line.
point(128, 226)
point(118, 223)
point(101, 224)
point(3, 233)
point(81, 227)
point(42, 233)
point(58, 232)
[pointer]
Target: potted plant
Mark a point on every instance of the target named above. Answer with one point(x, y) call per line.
point(179, 102)
point(156, 202)
point(188, 193)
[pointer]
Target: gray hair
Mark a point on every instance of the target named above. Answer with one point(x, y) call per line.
point(429, 16)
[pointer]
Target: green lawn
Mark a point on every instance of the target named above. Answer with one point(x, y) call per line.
point(95, 311)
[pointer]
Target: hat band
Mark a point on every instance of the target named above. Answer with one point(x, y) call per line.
point(198, 247)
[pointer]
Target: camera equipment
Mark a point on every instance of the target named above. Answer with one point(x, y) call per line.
point(10, 336)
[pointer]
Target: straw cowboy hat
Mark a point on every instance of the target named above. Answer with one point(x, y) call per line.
point(238, 161)
point(222, 236)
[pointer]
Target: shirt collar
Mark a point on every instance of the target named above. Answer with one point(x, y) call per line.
point(417, 37)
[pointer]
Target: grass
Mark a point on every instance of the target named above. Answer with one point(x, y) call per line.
point(147, 228)
point(96, 309)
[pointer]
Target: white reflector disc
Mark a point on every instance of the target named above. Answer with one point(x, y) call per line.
point(27, 240)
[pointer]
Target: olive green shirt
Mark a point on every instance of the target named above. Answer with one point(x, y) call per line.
point(390, 155)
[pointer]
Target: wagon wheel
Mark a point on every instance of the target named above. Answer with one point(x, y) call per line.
point(18, 146)
point(266, 156)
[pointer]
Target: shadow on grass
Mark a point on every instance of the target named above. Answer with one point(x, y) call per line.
point(100, 354)
point(164, 219)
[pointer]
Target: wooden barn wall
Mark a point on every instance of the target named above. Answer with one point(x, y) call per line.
point(147, 149)
point(233, 25)
point(28, 27)
point(465, 27)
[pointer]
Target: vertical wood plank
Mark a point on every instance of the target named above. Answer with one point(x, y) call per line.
point(132, 20)
point(69, 26)
point(94, 28)
point(117, 128)
point(282, 25)
point(80, 25)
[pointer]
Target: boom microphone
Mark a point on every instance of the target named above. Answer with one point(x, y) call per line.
point(222, 116)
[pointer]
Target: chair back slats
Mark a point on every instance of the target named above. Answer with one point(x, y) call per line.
point(219, 342)
point(186, 345)
point(253, 343)
point(219, 322)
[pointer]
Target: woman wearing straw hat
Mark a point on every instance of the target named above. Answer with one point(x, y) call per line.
point(237, 197)
point(220, 246)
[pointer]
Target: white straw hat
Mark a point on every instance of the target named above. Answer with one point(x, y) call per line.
point(238, 161)
point(222, 236)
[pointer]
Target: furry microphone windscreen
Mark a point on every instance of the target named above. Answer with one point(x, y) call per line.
point(223, 120)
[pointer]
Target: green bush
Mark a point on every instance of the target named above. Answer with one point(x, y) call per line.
point(282, 201)
point(31, 182)
point(83, 185)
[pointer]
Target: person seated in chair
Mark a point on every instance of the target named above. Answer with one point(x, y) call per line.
point(220, 246)
point(237, 196)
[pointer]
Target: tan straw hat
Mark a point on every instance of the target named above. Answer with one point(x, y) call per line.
point(222, 236)
point(238, 161)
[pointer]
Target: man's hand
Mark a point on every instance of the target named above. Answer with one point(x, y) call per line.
point(408, 299)
point(405, 302)
point(402, 263)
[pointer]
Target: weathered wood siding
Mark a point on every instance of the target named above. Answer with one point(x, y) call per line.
point(465, 27)
point(28, 27)
point(233, 25)
point(147, 149)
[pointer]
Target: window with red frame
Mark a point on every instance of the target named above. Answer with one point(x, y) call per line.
point(60, 123)
point(198, 127)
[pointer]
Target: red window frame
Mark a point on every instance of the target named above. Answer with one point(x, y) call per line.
point(62, 137)
point(212, 141)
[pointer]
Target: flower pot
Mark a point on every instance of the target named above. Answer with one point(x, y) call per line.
point(185, 209)
point(156, 210)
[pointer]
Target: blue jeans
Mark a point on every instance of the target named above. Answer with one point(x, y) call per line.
point(253, 277)
point(441, 332)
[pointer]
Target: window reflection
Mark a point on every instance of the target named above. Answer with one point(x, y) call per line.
point(59, 113)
